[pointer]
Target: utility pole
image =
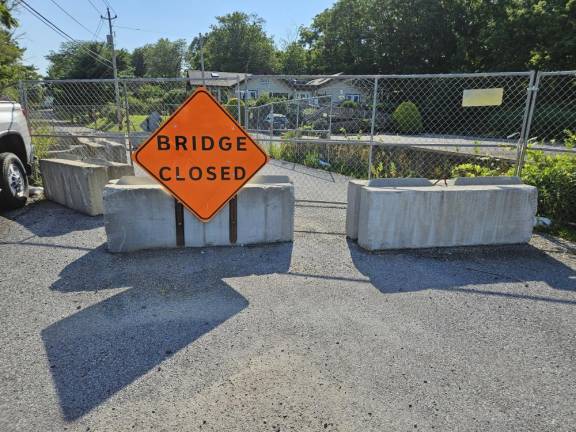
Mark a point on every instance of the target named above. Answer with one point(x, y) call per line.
point(114, 70)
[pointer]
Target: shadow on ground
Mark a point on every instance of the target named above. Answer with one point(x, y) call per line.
point(48, 219)
point(463, 269)
point(173, 297)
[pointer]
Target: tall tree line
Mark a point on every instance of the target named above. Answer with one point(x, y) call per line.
point(364, 37)
point(12, 67)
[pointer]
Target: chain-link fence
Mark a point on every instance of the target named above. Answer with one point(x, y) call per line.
point(551, 124)
point(323, 130)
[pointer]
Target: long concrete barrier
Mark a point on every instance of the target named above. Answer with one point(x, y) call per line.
point(139, 214)
point(79, 184)
point(354, 188)
point(80, 148)
point(480, 212)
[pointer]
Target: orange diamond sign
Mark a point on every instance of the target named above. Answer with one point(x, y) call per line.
point(201, 155)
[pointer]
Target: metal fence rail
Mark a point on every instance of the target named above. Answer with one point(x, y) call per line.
point(323, 130)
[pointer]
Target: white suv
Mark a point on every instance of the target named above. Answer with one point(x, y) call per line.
point(16, 155)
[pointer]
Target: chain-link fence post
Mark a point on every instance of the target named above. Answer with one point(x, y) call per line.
point(271, 123)
point(373, 122)
point(532, 93)
point(238, 99)
point(127, 113)
point(297, 114)
point(23, 95)
point(246, 100)
point(330, 118)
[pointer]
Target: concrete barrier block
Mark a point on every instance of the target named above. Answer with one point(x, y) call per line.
point(115, 170)
point(354, 187)
point(79, 184)
point(353, 207)
point(116, 151)
point(436, 216)
point(138, 216)
point(496, 180)
point(265, 212)
point(74, 152)
point(74, 184)
point(101, 148)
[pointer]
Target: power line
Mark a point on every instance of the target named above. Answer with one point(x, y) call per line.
point(108, 5)
point(137, 29)
point(61, 32)
point(147, 31)
point(95, 8)
point(97, 31)
point(75, 20)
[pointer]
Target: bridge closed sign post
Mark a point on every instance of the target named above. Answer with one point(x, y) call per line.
point(201, 155)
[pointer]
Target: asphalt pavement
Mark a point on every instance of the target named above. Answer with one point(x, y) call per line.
point(317, 335)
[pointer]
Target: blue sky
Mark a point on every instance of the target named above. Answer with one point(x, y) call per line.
point(165, 18)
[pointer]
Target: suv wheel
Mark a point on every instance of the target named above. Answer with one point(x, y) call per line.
point(13, 182)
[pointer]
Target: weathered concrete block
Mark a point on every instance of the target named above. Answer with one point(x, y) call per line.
point(101, 148)
point(74, 152)
point(115, 151)
point(115, 170)
point(136, 206)
point(496, 180)
point(138, 216)
point(74, 184)
point(435, 216)
point(79, 184)
point(265, 215)
point(354, 187)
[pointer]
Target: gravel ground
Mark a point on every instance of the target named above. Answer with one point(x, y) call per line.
point(311, 336)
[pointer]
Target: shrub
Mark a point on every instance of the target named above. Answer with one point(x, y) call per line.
point(109, 112)
point(320, 124)
point(407, 118)
point(234, 101)
point(312, 159)
point(263, 99)
point(473, 170)
point(173, 98)
point(349, 104)
point(275, 151)
point(555, 178)
point(137, 106)
point(232, 108)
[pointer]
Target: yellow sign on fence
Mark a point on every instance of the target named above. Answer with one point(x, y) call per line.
point(482, 97)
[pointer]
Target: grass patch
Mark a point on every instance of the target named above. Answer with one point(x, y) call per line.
point(42, 144)
point(566, 232)
point(105, 125)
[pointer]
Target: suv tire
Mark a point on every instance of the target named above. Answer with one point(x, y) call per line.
point(13, 182)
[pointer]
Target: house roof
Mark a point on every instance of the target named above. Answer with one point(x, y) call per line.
point(229, 79)
point(215, 78)
point(318, 82)
point(313, 84)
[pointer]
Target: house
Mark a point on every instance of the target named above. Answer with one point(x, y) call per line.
point(221, 84)
point(254, 86)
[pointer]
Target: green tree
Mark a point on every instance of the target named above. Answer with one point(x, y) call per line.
point(6, 19)
point(12, 67)
point(163, 59)
point(237, 43)
point(519, 34)
point(77, 60)
point(381, 36)
point(293, 59)
point(427, 36)
point(139, 62)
